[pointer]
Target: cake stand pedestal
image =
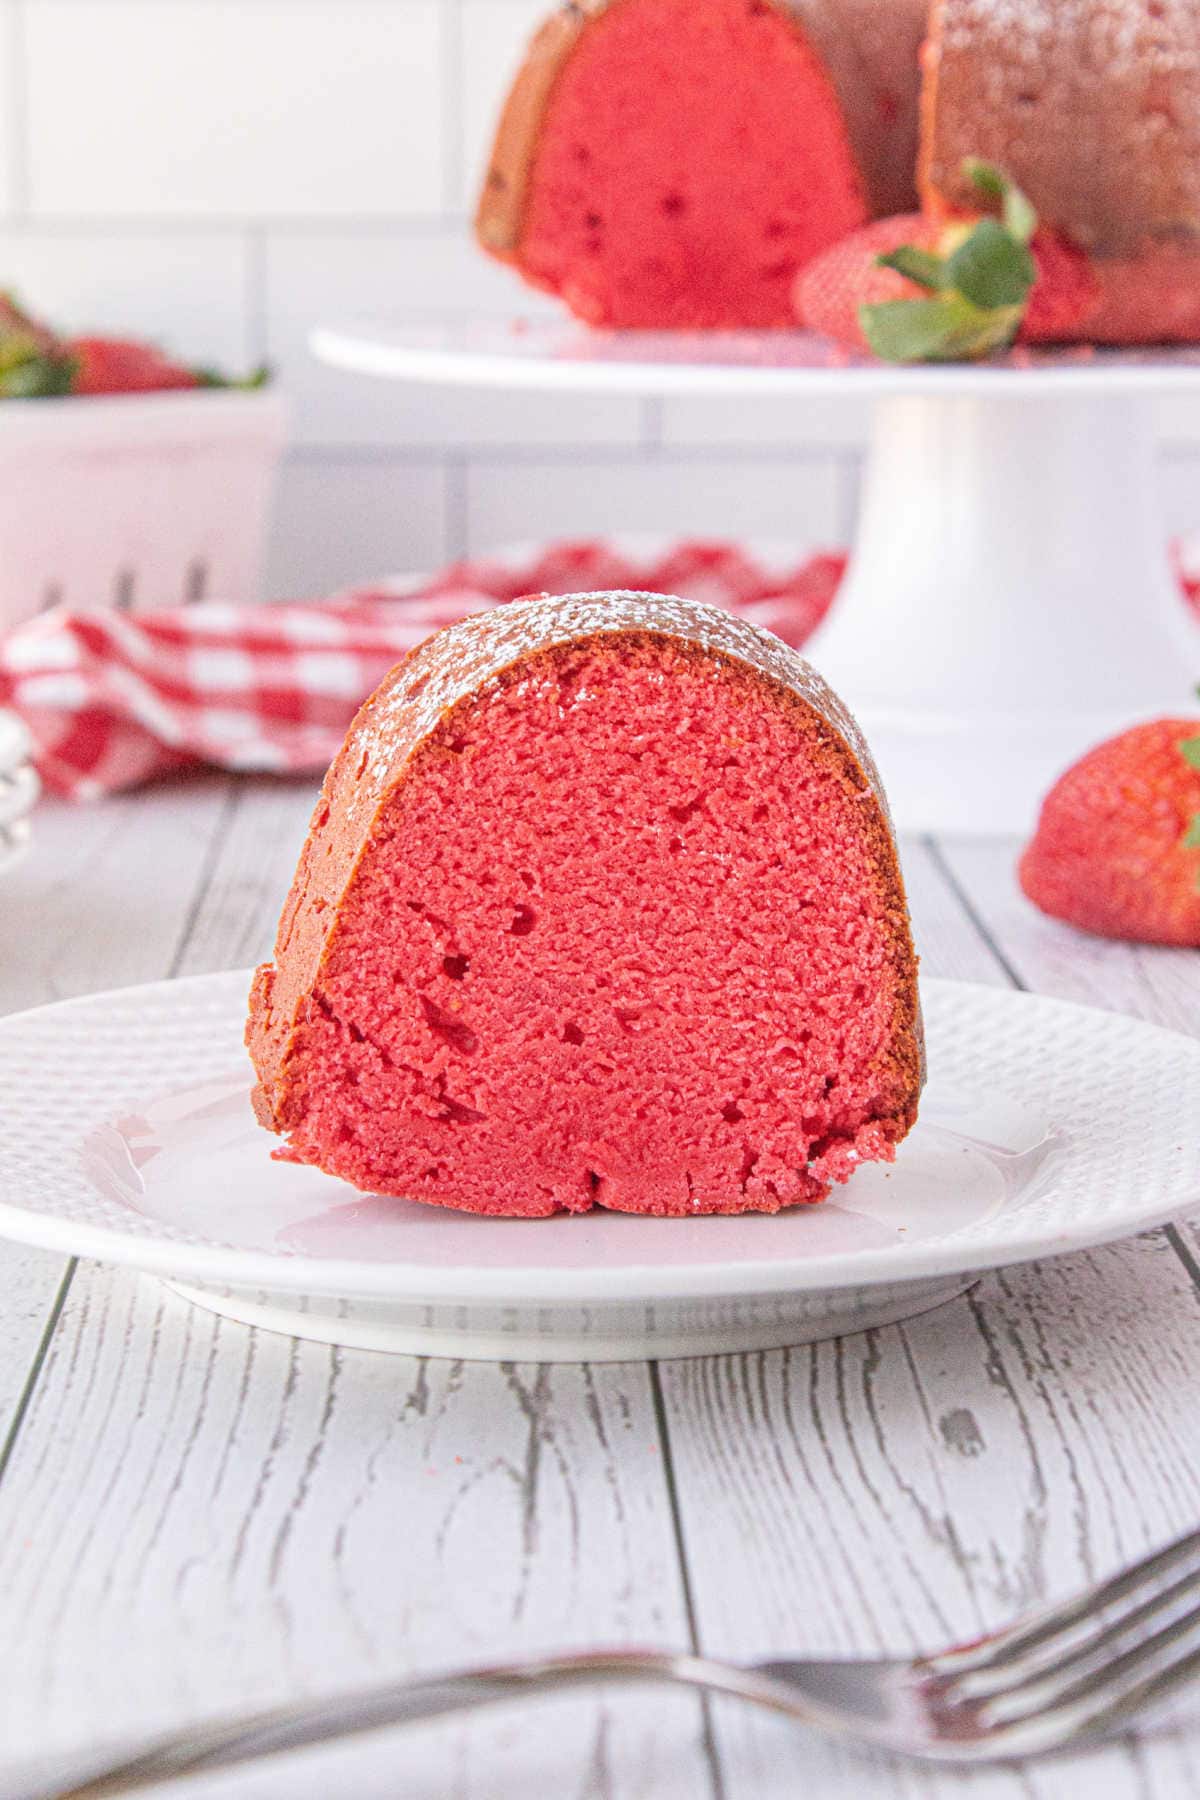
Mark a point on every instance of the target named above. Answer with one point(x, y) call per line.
point(1009, 599)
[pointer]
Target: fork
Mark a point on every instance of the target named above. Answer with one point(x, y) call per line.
point(1048, 1681)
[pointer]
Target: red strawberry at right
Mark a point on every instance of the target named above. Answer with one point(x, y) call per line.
point(833, 289)
point(1117, 847)
point(924, 288)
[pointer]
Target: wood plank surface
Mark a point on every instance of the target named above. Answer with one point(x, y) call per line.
point(923, 1483)
point(195, 1515)
point(141, 861)
point(200, 1516)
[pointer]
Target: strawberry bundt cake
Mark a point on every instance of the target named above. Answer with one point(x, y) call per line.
point(672, 163)
point(1092, 107)
point(600, 906)
point(677, 163)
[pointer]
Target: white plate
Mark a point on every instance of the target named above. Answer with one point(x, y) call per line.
point(127, 1136)
point(19, 791)
point(14, 842)
point(15, 742)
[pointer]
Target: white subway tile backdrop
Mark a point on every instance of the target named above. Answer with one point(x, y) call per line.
point(10, 121)
point(211, 109)
point(223, 174)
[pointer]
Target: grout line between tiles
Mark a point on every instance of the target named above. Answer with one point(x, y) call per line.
point(849, 498)
point(453, 116)
point(16, 95)
point(257, 327)
point(340, 224)
point(456, 526)
point(653, 425)
point(501, 455)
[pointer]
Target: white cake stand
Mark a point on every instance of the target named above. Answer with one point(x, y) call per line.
point(1009, 600)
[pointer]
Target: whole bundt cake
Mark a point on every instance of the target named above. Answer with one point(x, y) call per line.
point(1092, 106)
point(676, 163)
point(672, 163)
point(600, 906)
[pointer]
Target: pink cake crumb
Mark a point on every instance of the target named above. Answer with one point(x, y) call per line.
point(624, 928)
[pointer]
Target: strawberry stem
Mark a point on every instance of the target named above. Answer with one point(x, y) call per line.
point(977, 285)
point(1190, 748)
point(921, 266)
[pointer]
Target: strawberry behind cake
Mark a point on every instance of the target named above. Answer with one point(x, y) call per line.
point(600, 906)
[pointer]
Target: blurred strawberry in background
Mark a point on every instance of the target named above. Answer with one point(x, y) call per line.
point(1117, 848)
point(37, 363)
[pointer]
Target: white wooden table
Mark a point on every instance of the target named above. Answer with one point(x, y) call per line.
point(195, 1516)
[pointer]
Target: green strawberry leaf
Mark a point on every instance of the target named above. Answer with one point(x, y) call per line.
point(1190, 748)
point(1017, 213)
point(976, 293)
point(41, 378)
point(213, 378)
point(921, 266)
point(945, 328)
point(34, 375)
point(991, 268)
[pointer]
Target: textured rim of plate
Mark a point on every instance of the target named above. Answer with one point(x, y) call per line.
point(20, 790)
point(539, 354)
point(14, 843)
point(15, 742)
point(188, 1259)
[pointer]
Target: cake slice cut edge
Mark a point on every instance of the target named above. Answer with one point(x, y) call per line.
point(600, 906)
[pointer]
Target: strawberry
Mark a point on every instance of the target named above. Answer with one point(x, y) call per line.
point(913, 288)
point(128, 366)
point(852, 273)
point(124, 366)
point(33, 362)
point(1065, 298)
point(1117, 847)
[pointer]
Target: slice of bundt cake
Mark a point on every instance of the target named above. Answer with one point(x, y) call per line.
point(673, 163)
point(600, 906)
point(1092, 107)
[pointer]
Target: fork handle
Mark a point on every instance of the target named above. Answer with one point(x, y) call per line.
point(246, 1739)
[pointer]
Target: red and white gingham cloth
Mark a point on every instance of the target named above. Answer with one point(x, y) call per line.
point(114, 699)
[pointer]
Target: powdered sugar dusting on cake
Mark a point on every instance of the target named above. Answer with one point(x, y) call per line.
point(1133, 32)
point(1093, 106)
point(597, 909)
point(465, 658)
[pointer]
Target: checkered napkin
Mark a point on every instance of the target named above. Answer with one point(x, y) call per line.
point(113, 699)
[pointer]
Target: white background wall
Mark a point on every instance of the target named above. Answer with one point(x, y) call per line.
point(220, 174)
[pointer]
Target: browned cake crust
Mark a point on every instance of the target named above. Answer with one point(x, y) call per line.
point(417, 699)
point(870, 49)
point(1093, 106)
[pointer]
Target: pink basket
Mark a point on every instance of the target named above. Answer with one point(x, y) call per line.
point(138, 501)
